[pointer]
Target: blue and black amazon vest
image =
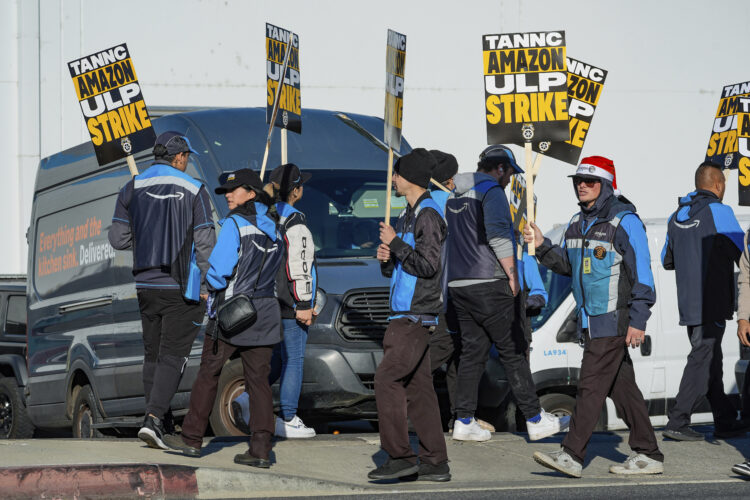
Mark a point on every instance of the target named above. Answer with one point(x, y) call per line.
point(470, 254)
point(600, 287)
point(410, 294)
point(161, 213)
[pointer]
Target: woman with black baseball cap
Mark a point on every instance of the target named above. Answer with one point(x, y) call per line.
point(244, 261)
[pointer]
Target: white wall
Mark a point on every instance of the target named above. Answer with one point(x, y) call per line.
point(667, 62)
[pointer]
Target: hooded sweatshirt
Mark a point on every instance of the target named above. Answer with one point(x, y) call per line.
point(633, 294)
point(704, 241)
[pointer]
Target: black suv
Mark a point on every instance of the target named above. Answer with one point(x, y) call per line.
point(14, 421)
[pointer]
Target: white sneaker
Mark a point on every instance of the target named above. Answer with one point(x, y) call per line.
point(547, 426)
point(638, 464)
point(294, 429)
point(470, 432)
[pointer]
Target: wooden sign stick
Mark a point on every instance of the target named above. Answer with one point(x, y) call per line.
point(284, 159)
point(389, 183)
point(529, 194)
point(439, 185)
point(131, 165)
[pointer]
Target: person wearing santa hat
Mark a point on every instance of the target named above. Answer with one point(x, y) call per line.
point(606, 253)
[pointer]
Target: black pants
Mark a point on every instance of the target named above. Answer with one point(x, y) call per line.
point(403, 389)
point(256, 365)
point(445, 349)
point(485, 314)
point(170, 325)
point(703, 376)
point(607, 370)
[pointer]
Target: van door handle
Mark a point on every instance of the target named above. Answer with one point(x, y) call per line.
point(86, 304)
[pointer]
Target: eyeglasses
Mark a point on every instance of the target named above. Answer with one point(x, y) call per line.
point(589, 183)
point(497, 151)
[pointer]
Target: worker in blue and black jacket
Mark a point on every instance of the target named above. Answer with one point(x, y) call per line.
point(703, 244)
point(164, 216)
point(606, 254)
point(245, 261)
point(410, 256)
point(534, 295)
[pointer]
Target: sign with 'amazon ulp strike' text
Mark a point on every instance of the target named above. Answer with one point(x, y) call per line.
point(722, 145)
point(289, 115)
point(395, 60)
point(585, 83)
point(743, 150)
point(525, 87)
point(112, 104)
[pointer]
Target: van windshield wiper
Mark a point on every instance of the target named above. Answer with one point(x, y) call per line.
point(365, 133)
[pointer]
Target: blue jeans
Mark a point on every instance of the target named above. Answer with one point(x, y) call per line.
point(288, 363)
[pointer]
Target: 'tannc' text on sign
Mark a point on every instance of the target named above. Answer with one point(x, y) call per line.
point(525, 83)
point(395, 61)
point(585, 83)
point(112, 103)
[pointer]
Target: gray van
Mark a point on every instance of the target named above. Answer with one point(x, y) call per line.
point(85, 350)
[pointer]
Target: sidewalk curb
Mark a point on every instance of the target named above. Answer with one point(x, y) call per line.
point(110, 481)
point(156, 481)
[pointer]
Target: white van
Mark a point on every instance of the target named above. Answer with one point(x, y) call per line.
point(659, 363)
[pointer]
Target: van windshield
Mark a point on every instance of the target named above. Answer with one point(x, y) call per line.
point(343, 208)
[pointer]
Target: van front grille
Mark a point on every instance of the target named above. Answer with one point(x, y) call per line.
point(364, 314)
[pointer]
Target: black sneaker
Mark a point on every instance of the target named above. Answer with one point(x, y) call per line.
point(152, 433)
point(683, 434)
point(168, 423)
point(176, 443)
point(252, 461)
point(440, 473)
point(738, 428)
point(394, 469)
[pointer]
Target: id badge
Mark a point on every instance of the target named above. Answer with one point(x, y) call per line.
point(587, 265)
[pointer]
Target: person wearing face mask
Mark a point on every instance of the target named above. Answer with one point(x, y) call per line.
point(245, 260)
point(483, 284)
point(606, 254)
point(703, 244)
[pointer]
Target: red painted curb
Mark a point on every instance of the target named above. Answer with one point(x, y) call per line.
point(127, 480)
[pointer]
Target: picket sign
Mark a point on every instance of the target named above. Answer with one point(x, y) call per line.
point(112, 104)
point(275, 110)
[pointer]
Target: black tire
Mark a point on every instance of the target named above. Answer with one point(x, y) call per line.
point(560, 405)
point(85, 413)
point(14, 420)
point(231, 385)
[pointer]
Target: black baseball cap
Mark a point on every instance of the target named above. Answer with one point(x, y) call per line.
point(447, 166)
point(175, 143)
point(497, 153)
point(242, 177)
point(416, 167)
point(288, 177)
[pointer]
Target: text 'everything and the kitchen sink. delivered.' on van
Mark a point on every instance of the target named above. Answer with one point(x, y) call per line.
point(85, 349)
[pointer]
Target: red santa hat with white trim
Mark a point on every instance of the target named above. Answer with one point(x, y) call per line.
point(599, 168)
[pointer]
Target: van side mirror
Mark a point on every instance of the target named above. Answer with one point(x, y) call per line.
point(646, 346)
point(568, 332)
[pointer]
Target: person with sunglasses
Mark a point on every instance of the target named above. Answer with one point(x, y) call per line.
point(483, 285)
point(606, 253)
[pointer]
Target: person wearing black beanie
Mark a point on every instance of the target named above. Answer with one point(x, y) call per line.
point(410, 256)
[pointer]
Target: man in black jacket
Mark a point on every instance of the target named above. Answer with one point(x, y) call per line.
point(164, 216)
point(410, 256)
point(704, 242)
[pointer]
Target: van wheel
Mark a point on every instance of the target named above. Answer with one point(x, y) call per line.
point(85, 414)
point(560, 405)
point(231, 385)
point(14, 421)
